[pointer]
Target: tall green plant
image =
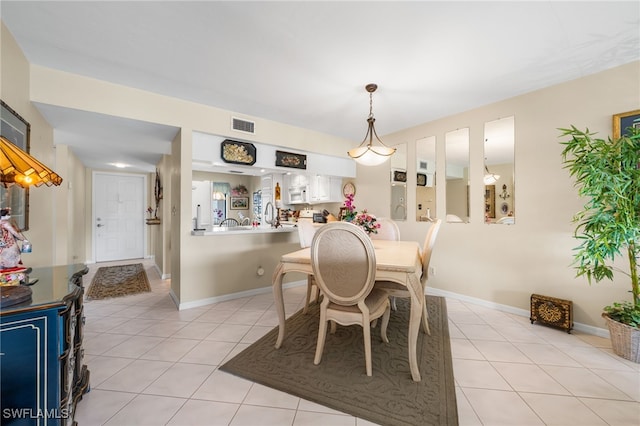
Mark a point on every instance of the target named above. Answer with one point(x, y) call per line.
point(607, 174)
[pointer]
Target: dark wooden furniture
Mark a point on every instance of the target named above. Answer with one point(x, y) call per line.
point(551, 311)
point(42, 370)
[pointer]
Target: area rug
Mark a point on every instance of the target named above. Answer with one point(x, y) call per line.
point(389, 397)
point(118, 281)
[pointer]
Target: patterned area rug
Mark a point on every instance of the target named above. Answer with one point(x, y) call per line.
point(389, 397)
point(117, 281)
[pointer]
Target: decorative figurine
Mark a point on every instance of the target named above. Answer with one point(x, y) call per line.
point(9, 249)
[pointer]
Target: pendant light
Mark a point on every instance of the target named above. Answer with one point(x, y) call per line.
point(369, 154)
point(490, 178)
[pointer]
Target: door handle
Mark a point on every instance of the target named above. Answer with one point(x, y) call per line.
point(99, 225)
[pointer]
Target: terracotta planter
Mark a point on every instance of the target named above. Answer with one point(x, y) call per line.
point(625, 339)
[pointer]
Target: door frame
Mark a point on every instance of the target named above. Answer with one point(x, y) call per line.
point(145, 194)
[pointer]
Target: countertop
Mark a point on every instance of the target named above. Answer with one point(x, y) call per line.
point(245, 230)
point(53, 287)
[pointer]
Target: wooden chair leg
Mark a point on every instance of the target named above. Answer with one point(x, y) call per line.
point(307, 301)
point(425, 319)
point(366, 331)
point(322, 335)
point(393, 303)
point(385, 323)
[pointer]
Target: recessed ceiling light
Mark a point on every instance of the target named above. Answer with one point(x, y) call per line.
point(119, 165)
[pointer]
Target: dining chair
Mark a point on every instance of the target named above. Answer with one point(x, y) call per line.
point(344, 265)
point(398, 290)
point(306, 231)
point(229, 222)
point(388, 230)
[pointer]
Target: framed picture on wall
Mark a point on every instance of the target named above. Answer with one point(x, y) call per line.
point(15, 129)
point(421, 179)
point(239, 203)
point(490, 201)
point(622, 121)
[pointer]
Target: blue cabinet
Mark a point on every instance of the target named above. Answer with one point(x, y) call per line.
point(42, 371)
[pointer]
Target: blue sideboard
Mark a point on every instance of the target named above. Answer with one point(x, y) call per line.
point(42, 370)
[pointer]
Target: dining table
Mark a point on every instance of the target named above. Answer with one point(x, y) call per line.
point(397, 261)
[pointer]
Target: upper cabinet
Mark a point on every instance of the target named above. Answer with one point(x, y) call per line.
point(325, 189)
point(313, 189)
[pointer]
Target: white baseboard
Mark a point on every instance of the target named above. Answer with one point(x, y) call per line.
point(588, 329)
point(224, 298)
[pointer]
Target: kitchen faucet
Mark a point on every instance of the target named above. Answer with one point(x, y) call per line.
point(272, 219)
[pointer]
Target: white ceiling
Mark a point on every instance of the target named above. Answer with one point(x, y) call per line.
point(306, 63)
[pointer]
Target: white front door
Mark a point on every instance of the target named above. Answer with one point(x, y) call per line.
point(118, 216)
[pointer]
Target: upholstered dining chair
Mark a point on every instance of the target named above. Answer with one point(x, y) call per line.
point(388, 230)
point(344, 265)
point(306, 231)
point(397, 290)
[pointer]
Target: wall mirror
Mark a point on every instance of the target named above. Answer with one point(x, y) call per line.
point(457, 175)
point(425, 179)
point(499, 171)
point(399, 183)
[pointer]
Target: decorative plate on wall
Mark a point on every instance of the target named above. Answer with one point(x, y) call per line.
point(291, 159)
point(398, 176)
point(238, 152)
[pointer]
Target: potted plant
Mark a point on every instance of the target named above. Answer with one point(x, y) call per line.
point(607, 174)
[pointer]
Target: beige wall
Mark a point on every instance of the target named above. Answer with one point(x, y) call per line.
point(499, 264)
point(506, 264)
point(55, 229)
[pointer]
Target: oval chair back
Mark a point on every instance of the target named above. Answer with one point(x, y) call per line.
point(427, 249)
point(388, 230)
point(306, 231)
point(344, 263)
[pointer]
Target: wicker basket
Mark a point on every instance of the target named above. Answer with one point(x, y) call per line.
point(625, 339)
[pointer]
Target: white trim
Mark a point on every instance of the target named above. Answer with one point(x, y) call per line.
point(226, 297)
point(589, 329)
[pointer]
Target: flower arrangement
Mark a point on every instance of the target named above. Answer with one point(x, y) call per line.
point(149, 210)
point(367, 222)
point(364, 220)
point(350, 209)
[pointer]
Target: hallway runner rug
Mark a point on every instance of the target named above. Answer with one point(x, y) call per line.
point(118, 281)
point(389, 397)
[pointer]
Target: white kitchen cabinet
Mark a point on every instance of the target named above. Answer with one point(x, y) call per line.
point(325, 189)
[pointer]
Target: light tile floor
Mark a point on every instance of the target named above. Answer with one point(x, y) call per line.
point(151, 364)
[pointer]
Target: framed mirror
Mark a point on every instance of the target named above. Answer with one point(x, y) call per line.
point(457, 178)
point(16, 129)
point(499, 171)
point(425, 179)
point(399, 183)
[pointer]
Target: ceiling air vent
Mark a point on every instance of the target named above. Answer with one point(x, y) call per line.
point(244, 126)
